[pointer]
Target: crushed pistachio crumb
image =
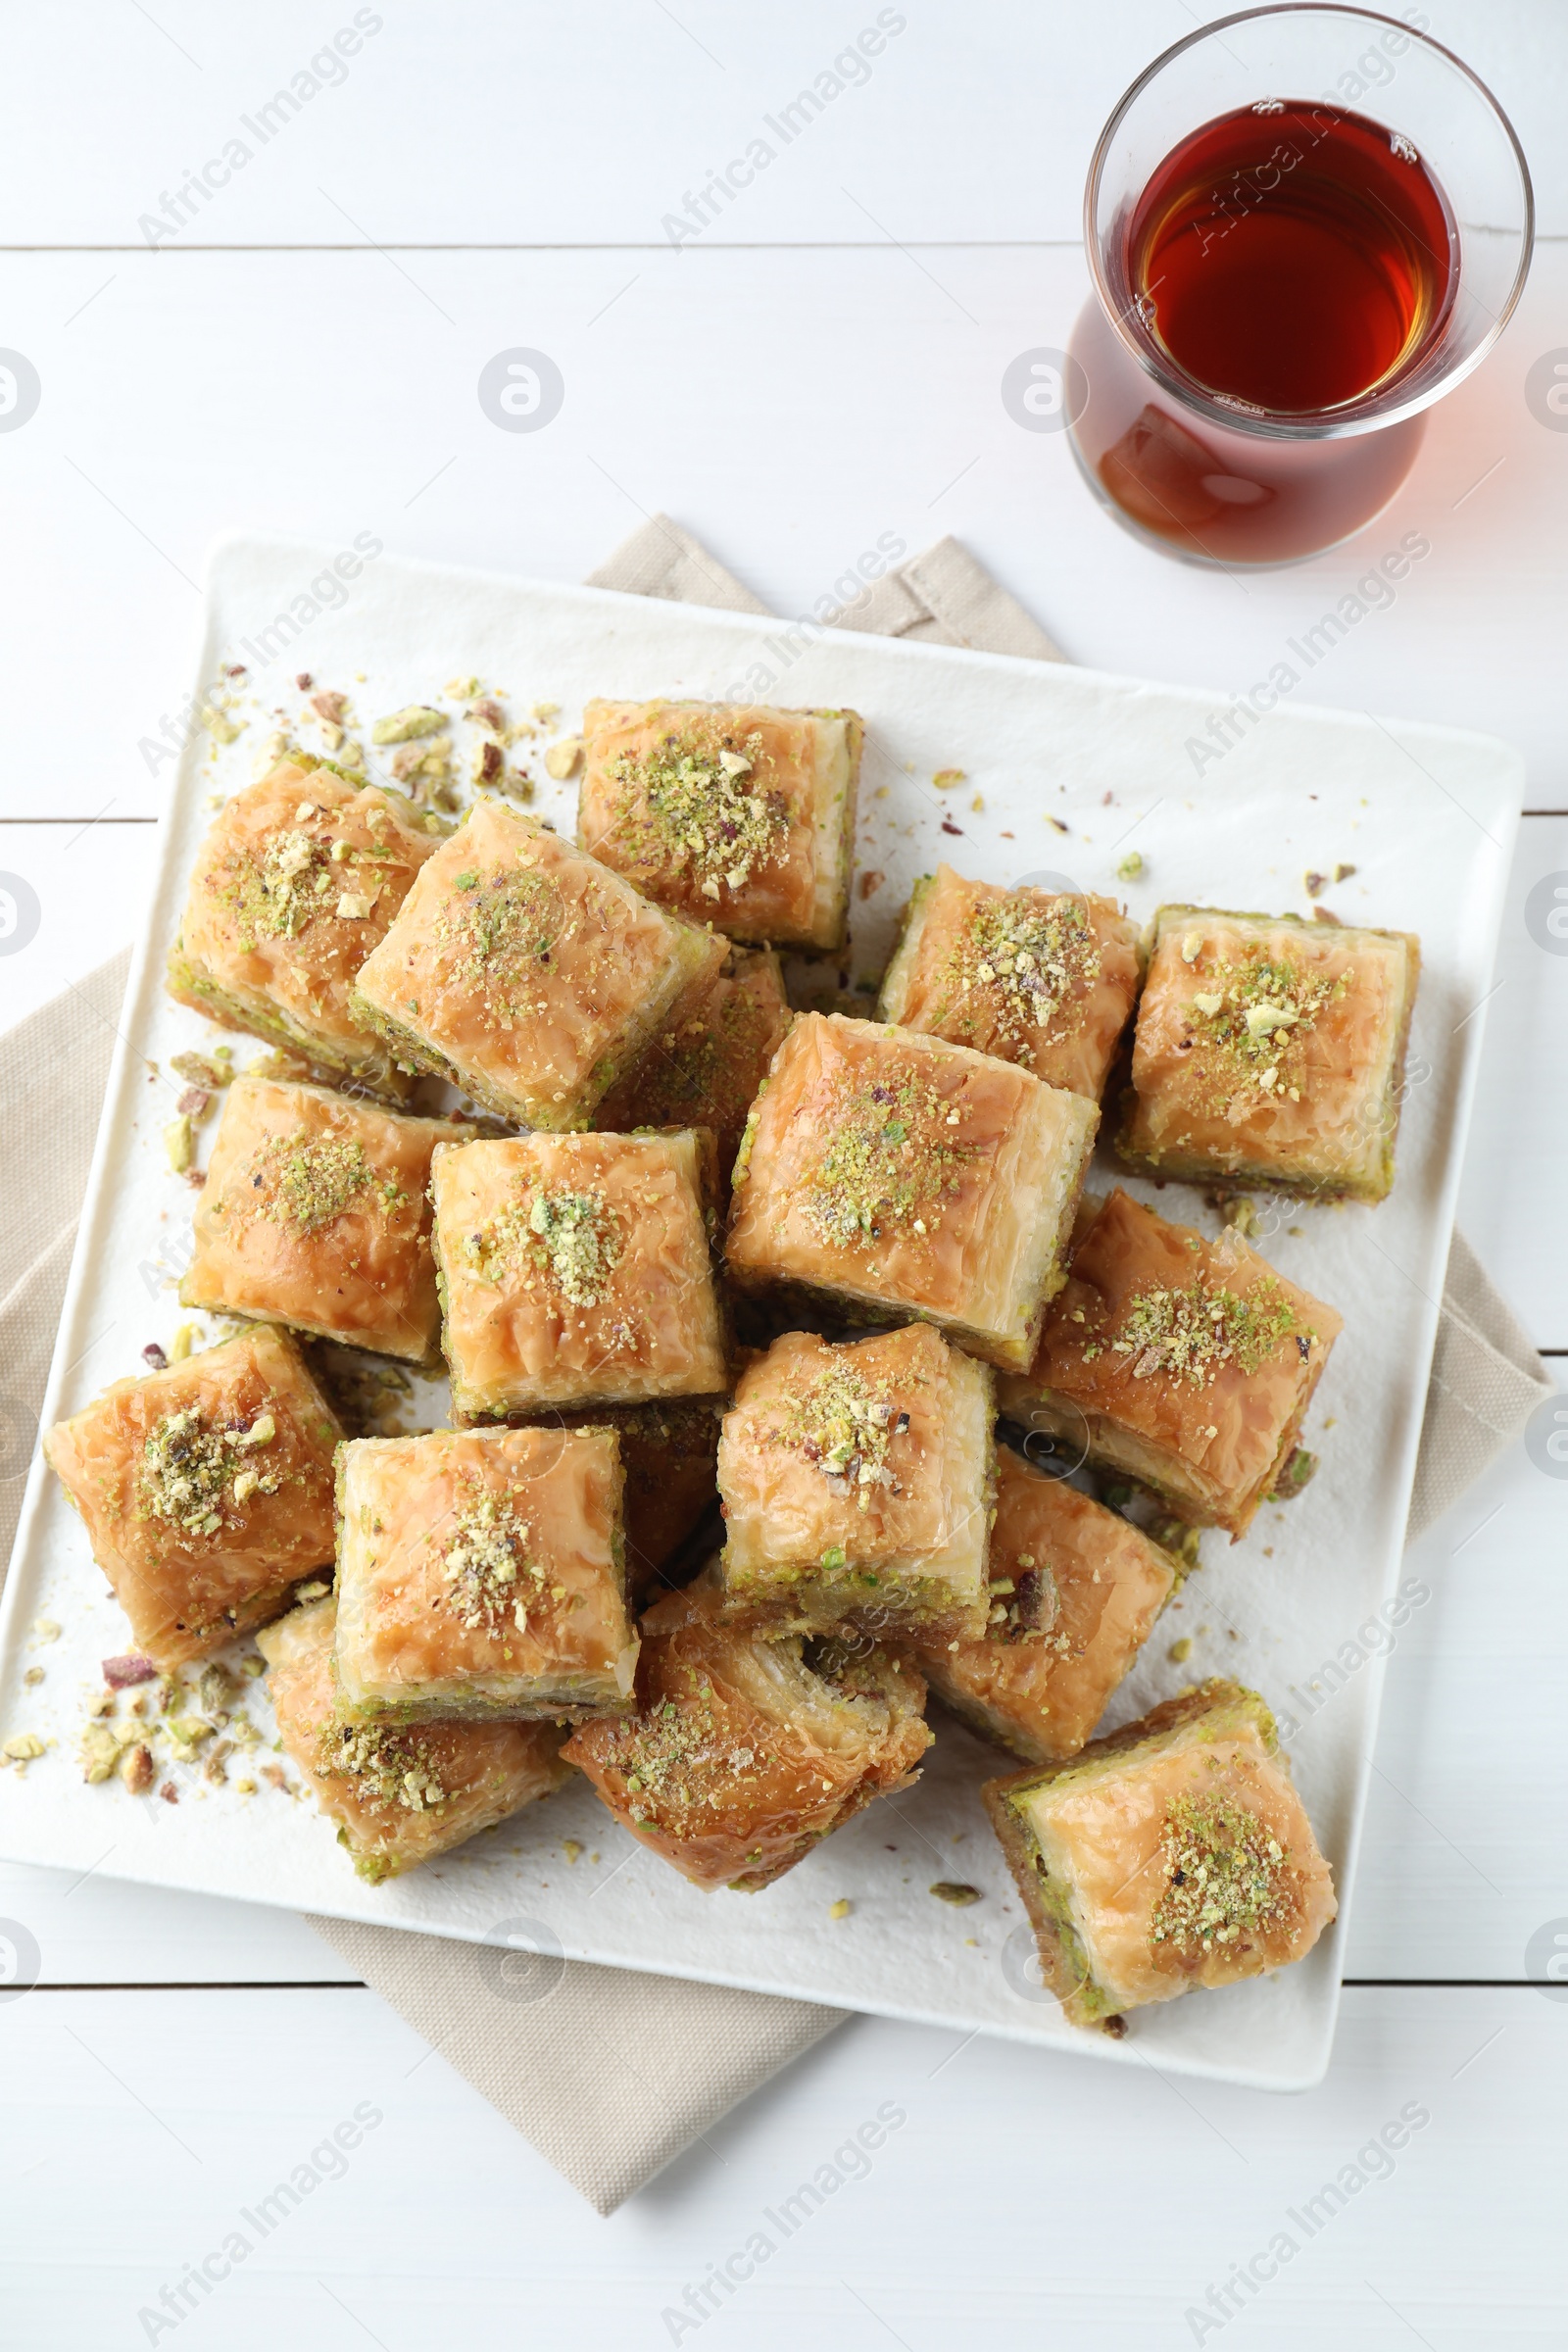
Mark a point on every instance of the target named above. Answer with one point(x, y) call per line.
point(841, 1909)
point(891, 1157)
point(956, 1891)
point(485, 1562)
point(191, 1467)
point(1131, 866)
point(306, 1180)
point(1253, 1017)
point(845, 1425)
point(1193, 1333)
point(381, 1767)
point(406, 725)
point(1226, 1876)
point(1022, 959)
point(571, 1238)
point(699, 805)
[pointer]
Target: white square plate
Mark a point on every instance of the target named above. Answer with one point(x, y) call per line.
point(1425, 815)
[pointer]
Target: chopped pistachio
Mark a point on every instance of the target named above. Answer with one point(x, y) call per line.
point(562, 758)
point(1129, 866)
point(179, 1142)
point(841, 1909)
point(956, 1891)
point(403, 726)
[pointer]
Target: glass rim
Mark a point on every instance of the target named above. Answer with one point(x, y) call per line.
point(1371, 411)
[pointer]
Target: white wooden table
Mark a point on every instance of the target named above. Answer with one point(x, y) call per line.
point(817, 365)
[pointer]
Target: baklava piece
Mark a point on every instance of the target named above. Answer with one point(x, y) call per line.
point(399, 1795)
point(528, 974)
point(1074, 1592)
point(1046, 980)
point(745, 1753)
point(1269, 1053)
point(856, 1484)
point(313, 1213)
point(1172, 1856)
point(576, 1270)
point(1183, 1364)
point(904, 1177)
point(481, 1574)
point(206, 1491)
point(706, 1072)
point(737, 814)
point(296, 882)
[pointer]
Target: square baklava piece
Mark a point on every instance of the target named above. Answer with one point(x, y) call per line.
point(528, 974)
point(737, 814)
point(400, 1794)
point(576, 1270)
point(1045, 979)
point(1074, 1590)
point(903, 1176)
point(1174, 1854)
point(744, 1752)
point(481, 1574)
point(857, 1486)
point(298, 879)
point(1183, 1364)
point(206, 1491)
point(1269, 1053)
point(313, 1213)
point(705, 1071)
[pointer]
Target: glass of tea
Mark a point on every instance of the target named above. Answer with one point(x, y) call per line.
point(1305, 225)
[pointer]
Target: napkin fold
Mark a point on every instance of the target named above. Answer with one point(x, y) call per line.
point(608, 2071)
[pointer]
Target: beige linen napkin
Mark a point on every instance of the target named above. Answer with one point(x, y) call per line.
point(609, 2072)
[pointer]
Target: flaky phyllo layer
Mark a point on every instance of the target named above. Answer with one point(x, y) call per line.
point(1073, 1591)
point(911, 1177)
point(1174, 1854)
point(1270, 1054)
point(296, 882)
point(1044, 979)
point(481, 1576)
point(315, 1214)
point(527, 973)
point(576, 1270)
point(399, 1794)
point(857, 1486)
point(745, 1752)
point(1186, 1363)
point(206, 1491)
point(735, 814)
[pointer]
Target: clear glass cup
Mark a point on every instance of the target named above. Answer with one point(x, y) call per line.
point(1198, 475)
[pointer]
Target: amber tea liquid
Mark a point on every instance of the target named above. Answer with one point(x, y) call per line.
point(1284, 261)
point(1292, 257)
